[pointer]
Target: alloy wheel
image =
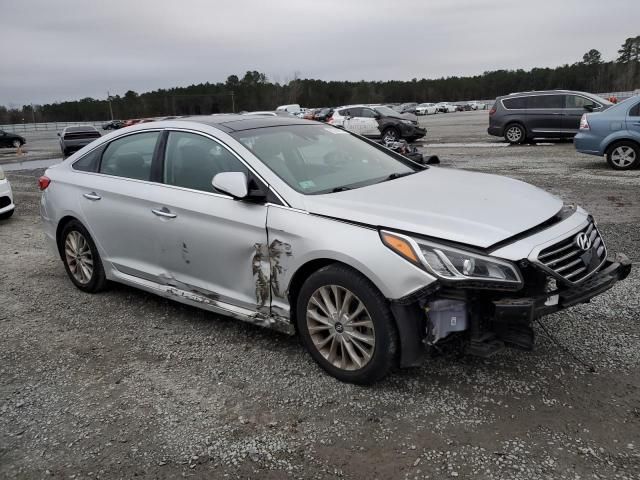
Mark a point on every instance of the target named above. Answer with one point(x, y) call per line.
point(514, 134)
point(17, 144)
point(78, 256)
point(340, 327)
point(623, 156)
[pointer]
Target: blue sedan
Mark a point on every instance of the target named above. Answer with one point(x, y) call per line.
point(614, 133)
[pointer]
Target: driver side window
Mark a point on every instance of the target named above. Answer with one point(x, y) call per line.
point(191, 161)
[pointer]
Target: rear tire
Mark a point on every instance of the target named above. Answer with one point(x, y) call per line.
point(81, 258)
point(515, 134)
point(623, 155)
point(346, 325)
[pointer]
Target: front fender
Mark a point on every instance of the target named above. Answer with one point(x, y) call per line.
point(297, 238)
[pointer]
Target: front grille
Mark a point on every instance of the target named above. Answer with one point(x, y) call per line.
point(4, 202)
point(569, 262)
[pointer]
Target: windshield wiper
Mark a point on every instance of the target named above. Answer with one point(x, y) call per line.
point(340, 189)
point(393, 176)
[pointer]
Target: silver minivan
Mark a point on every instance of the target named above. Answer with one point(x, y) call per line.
point(312, 230)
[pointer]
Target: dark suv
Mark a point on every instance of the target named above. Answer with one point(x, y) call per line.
point(541, 114)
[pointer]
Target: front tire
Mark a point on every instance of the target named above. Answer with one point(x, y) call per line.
point(17, 143)
point(515, 134)
point(623, 155)
point(81, 258)
point(390, 134)
point(7, 215)
point(346, 325)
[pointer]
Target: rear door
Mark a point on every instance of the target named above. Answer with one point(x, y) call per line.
point(117, 202)
point(545, 115)
point(211, 244)
point(633, 121)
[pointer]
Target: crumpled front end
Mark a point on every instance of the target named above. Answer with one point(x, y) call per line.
point(487, 316)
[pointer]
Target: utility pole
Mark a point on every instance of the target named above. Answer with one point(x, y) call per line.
point(110, 107)
point(233, 102)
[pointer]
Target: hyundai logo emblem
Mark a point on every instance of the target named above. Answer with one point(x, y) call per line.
point(583, 241)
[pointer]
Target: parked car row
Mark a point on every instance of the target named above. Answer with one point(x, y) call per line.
point(597, 126)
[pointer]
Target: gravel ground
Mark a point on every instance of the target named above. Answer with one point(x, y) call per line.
point(125, 384)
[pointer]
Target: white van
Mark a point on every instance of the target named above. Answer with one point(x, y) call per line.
point(292, 109)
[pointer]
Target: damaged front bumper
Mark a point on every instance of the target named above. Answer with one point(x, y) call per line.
point(489, 320)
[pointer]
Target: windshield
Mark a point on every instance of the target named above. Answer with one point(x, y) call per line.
point(386, 111)
point(315, 159)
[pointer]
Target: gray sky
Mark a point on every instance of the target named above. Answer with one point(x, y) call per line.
point(55, 50)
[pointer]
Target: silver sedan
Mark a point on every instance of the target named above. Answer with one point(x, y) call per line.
point(309, 229)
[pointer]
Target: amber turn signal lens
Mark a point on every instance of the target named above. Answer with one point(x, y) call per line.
point(400, 246)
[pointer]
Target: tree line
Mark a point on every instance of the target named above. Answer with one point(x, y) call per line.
point(254, 91)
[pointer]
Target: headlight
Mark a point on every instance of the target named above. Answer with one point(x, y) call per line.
point(2, 177)
point(407, 122)
point(449, 263)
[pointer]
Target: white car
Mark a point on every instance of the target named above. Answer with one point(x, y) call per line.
point(444, 107)
point(477, 106)
point(6, 197)
point(426, 109)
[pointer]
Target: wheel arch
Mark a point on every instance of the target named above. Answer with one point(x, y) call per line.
point(610, 143)
point(64, 221)
point(406, 318)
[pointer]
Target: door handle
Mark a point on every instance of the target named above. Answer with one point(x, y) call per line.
point(91, 196)
point(164, 212)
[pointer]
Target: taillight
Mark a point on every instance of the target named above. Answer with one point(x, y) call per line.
point(584, 123)
point(43, 182)
point(330, 119)
point(493, 110)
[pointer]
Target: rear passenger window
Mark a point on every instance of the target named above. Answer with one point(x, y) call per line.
point(515, 103)
point(368, 113)
point(90, 162)
point(130, 156)
point(635, 111)
point(546, 101)
point(191, 161)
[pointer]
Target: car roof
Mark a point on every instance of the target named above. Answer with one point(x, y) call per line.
point(546, 92)
point(230, 122)
point(80, 128)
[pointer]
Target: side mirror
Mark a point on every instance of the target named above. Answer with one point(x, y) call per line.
point(377, 116)
point(589, 108)
point(231, 183)
point(58, 133)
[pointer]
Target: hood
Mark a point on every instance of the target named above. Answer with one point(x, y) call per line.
point(472, 208)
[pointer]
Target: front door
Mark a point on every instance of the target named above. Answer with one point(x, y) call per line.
point(575, 107)
point(212, 245)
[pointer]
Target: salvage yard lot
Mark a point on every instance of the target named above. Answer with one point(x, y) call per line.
point(124, 383)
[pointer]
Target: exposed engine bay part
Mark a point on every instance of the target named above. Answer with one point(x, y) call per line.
point(403, 148)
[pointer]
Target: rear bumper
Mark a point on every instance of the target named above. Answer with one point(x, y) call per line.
point(585, 143)
point(495, 131)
